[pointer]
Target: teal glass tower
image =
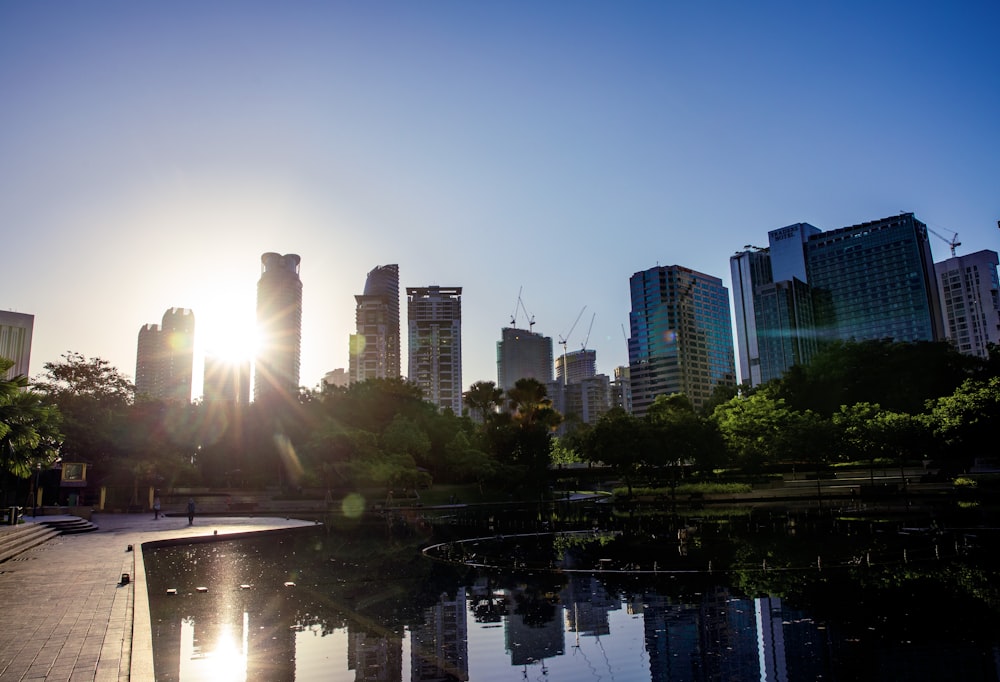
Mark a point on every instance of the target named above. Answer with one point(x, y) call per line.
point(681, 336)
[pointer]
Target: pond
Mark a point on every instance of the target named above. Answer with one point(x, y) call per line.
point(731, 595)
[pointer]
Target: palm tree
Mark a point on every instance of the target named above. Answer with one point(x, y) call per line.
point(484, 398)
point(29, 428)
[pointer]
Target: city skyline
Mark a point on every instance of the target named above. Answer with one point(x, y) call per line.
point(152, 153)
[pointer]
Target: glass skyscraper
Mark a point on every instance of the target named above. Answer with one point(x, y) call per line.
point(681, 336)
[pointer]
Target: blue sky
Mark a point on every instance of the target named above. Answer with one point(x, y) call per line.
point(150, 152)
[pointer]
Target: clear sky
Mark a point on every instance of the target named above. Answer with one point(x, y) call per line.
point(151, 151)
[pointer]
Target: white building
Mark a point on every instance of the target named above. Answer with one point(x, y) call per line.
point(15, 341)
point(970, 302)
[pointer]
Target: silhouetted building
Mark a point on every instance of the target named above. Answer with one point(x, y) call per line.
point(337, 377)
point(968, 288)
point(434, 316)
point(681, 336)
point(375, 346)
point(279, 327)
point(15, 341)
point(523, 354)
point(165, 357)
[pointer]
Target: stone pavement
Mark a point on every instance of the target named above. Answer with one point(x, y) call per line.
point(67, 615)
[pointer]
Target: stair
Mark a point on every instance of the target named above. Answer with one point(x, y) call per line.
point(15, 540)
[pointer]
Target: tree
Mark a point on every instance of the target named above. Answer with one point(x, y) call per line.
point(618, 440)
point(91, 395)
point(29, 427)
point(533, 421)
point(968, 418)
point(483, 398)
point(754, 428)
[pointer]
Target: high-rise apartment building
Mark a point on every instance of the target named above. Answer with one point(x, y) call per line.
point(681, 336)
point(164, 364)
point(576, 365)
point(434, 319)
point(15, 341)
point(970, 301)
point(523, 354)
point(869, 281)
point(375, 346)
point(279, 327)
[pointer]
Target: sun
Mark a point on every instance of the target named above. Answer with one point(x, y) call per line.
point(225, 327)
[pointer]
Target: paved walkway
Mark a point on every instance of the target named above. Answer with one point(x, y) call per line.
point(68, 616)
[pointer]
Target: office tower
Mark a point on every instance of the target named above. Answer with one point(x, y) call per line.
point(875, 280)
point(523, 354)
point(226, 380)
point(279, 327)
point(869, 281)
point(375, 346)
point(434, 317)
point(681, 336)
point(15, 341)
point(164, 363)
point(968, 289)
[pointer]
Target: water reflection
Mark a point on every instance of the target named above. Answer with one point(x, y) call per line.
point(364, 604)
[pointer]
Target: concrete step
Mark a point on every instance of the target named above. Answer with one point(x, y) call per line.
point(68, 526)
point(21, 538)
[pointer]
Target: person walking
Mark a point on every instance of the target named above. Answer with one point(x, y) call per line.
point(190, 511)
point(156, 507)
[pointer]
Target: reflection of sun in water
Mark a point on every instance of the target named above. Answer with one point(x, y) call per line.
point(222, 659)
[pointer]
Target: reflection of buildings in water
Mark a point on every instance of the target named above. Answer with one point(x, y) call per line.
point(534, 630)
point(587, 606)
point(727, 638)
point(488, 604)
point(673, 639)
point(373, 657)
point(439, 648)
point(770, 638)
point(728, 634)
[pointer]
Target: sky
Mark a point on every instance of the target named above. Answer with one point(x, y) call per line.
point(151, 152)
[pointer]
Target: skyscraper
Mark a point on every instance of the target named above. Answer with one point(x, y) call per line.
point(523, 354)
point(434, 317)
point(279, 327)
point(375, 346)
point(970, 300)
point(681, 336)
point(15, 341)
point(164, 363)
point(873, 280)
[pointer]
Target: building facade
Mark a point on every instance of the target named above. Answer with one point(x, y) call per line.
point(279, 327)
point(523, 354)
point(164, 365)
point(873, 280)
point(15, 341)
point(375, 347)
point(434, 321)
point(970, 301)
point(681, 336)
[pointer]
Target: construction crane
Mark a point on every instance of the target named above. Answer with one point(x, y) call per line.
point(583, 346)
point(953, 242)
point(563, 340)
point(528, 316)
